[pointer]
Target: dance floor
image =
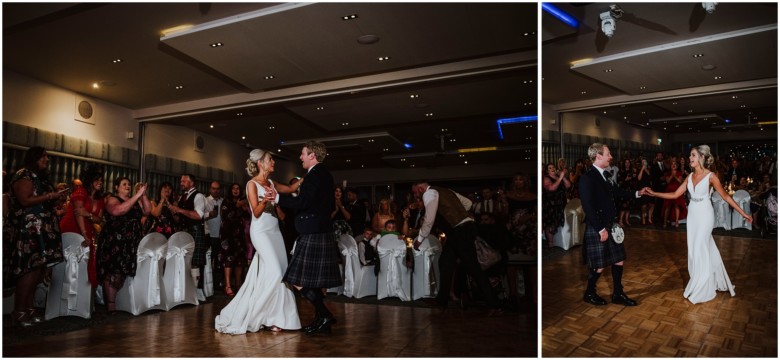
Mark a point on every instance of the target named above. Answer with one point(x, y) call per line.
point(363, 330)
point(664, 324)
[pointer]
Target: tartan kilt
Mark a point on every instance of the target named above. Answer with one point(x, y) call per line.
point(315, 262)
point(201, 244)
point(597, 254)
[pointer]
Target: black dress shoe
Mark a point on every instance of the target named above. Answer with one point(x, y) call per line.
point(321, 326)
point(311, 325)
point(593, 298)
point(623, 299)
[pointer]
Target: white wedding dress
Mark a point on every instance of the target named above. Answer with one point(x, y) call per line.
point(705, 266)
point(263, 300)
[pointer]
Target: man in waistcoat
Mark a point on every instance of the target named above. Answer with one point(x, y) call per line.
point(450, 212)
point(191, 209)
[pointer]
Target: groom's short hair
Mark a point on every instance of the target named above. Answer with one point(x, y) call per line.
point(595, 149)
point(318, 149)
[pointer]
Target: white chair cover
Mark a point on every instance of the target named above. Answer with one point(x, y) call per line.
point(338, 290)
point(142, 292)
point(393, 279)
point(575, 217)
point(742, 198)
point(178, 282)
point(722, 211)
point(359, 281)
point(426, 268)
point(70, 292)
point(208, 277)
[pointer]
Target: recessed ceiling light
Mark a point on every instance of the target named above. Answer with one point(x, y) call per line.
point(243, 138)
point(428, 114)
point(239, 114)
point(698, 55)
point(216, 44)
point(211, 126)
point(278, 150)
point(383, 58)
point(583, 92)
point(690, 110)
point(674, 103)
point(349, 17)
point(271, 127)
point(466, 162)
point(414, 96)
point(718, 77)
point(116, 61)
point(608, 70)
point(95, 85)
point(370, 140)
point(734, 97)
point(642, 87)
point(269, 77)
point(320, 108)
point(179, 87)
point(344, 124)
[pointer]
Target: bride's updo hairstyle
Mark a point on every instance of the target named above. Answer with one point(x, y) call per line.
point(251, 163)
point(705, 156)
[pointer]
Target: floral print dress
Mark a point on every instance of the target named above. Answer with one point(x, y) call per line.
point(232, 252)
point(118, 245)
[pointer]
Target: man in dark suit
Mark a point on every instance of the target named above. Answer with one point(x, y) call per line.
point(598, 193)
point(357, 213)
point(658, 183)
point(314, 264)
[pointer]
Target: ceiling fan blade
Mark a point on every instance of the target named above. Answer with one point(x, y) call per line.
point(697, 17)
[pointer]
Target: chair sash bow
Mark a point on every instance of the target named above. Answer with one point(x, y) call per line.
point(178, 255)
point(73, 255)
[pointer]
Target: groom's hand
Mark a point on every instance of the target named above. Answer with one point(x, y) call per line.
point(604, 235)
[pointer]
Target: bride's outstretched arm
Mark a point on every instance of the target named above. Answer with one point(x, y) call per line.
point(719, 188)
point(287, 189)
point(670, 195)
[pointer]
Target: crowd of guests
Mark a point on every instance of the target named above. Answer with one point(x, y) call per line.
point(113, 221)
point(663, 173)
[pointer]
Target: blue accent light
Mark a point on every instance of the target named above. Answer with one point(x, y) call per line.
point(520, 119)
point(407, 145)
point(728, 121)
point(560, 15)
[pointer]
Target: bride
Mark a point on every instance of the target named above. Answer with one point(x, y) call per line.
point(705, 266)
point(263, 301)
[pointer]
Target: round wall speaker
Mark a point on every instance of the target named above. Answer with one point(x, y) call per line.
point(85, 109)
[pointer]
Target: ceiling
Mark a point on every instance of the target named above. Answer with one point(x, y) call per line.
point(668, 66)
point(290, 72)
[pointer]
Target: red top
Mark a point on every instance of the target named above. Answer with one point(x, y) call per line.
point(68, 222)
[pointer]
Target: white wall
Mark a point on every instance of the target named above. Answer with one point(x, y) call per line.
point(43, 106)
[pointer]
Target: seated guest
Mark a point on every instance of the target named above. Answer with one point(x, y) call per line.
point(391, 228)
point(413, 216)
point(366, 243)
point(382, 215)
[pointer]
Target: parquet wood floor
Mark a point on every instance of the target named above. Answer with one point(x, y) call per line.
point(664, 324)
point(363, 330)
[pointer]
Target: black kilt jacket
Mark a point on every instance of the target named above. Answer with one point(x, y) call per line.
point(598, 202)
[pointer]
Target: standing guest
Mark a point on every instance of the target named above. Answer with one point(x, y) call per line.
point(117, 253)
point(646, 203)
point(85, 209)
point(191, 209)
point(38, 243)
point(232, 252)
point(574, 179)
point(413, 215)
point(522, 224)
point(314, 264)
point(62, 203)
point(212, 224)
point(357, 213)
point(735, 172)
point(161, 216)
point(488, 204)
point(450, 212)
point(627, 180)
point(657, 172)
point(673, 181)
point(554, 185)
point(382, 215)
point(340, 214)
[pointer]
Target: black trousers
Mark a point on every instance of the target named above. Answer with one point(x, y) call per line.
point(460, 244)
point(216, 268)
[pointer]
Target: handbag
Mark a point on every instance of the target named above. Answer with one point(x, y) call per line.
point(617, 234)
point(487, 256)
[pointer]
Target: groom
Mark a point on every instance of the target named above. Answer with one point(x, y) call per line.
point(314, 265)
point(598, 193)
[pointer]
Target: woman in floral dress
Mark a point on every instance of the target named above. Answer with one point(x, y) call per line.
point(118, 245)
point(232, 253)
point(161, 215)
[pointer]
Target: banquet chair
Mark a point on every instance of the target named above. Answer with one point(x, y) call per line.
point(393, 279)
point(426, 268)
point(722, 211)
point(742, 198)
point(359, 281)
point(208, 275)
point(572, 231)
point(143, 292)
point(70, 292)
point(178, 282)
point(339, 290)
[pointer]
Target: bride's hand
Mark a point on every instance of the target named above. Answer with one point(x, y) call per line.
point(749, 218)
